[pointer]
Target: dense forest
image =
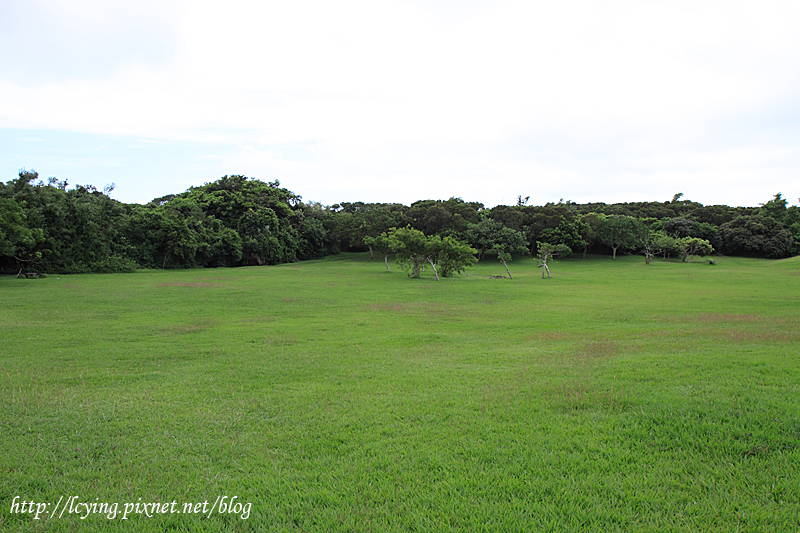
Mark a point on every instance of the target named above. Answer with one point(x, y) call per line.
point(45, 226)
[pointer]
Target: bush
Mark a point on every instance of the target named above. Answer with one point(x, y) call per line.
point(114, 264)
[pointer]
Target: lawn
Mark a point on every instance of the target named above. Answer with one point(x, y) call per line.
point(333, 396)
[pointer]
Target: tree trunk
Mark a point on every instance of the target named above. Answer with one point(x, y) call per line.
point(548, 271)
point(507, 270)
point(370, 251)
point(585, 246)
point(615, 251)
point(434, 269)
point(416, 268)
point(386, 260)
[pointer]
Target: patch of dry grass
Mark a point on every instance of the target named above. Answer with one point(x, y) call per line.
point(196, 326)
point(599, 349)
point(387, 307)
point(548, 336)
point(193, 284)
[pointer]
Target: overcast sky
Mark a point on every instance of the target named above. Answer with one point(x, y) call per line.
point(401, 101)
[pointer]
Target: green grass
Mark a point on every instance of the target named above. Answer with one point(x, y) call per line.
point(333, 396)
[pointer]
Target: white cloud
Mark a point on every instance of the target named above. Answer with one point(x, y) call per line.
point(438, 97)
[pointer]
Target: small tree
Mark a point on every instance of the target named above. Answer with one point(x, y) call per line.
point(618, 232)
point(510, 242)
point(504, 257)
point(644, 236)
point(691, 246)
point(662, 244)
point(414, 249)
point(411, 247)
point(514, 243)
point(452, 256)
point(373, 221)
point(548, 251)
point(382, 244)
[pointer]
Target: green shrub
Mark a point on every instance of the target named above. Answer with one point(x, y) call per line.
point(114, 264)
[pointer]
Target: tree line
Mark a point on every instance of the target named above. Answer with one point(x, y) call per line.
point(48, 226)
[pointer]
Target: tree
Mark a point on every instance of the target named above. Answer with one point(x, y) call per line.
point(507, 215)
point(414, 249)
point(312, 237)
point(617, 232)
point(369, 220)
point(537, 220)
point(278, 227)
point(691, 246)
point(383, 244)
point(259, 229)
point(180, 235)
point(662, 244)
point(77, 230)
point(709, 232)
point(437, 217)
point(569, 233)
point(483, 235)
point(756, 235)
point(504, 257)
point(643, 236)
point(547, 251)
point(16, 239)
point(679, 227)
point(489, 233)
point(590, 225)
point(452, 256)
point(792, 223)
point(221, 247)
point(775, 208)
point(513, 242)
point(411, 247)
point(715, 215)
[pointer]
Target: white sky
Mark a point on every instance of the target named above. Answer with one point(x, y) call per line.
point(401, 101)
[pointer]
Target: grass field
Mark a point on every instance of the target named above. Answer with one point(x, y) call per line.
point(333, 396)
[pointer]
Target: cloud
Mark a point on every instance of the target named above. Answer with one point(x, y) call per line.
point(586, 95)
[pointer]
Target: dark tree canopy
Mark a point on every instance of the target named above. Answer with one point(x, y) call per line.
point(618, 231)
point(237, 221)
point(757, 235)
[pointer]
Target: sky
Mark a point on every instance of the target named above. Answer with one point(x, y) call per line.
point(390, 101)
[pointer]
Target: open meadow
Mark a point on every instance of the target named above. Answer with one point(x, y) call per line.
point(333, 396)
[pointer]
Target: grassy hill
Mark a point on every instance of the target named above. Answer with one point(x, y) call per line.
point(333, 396)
